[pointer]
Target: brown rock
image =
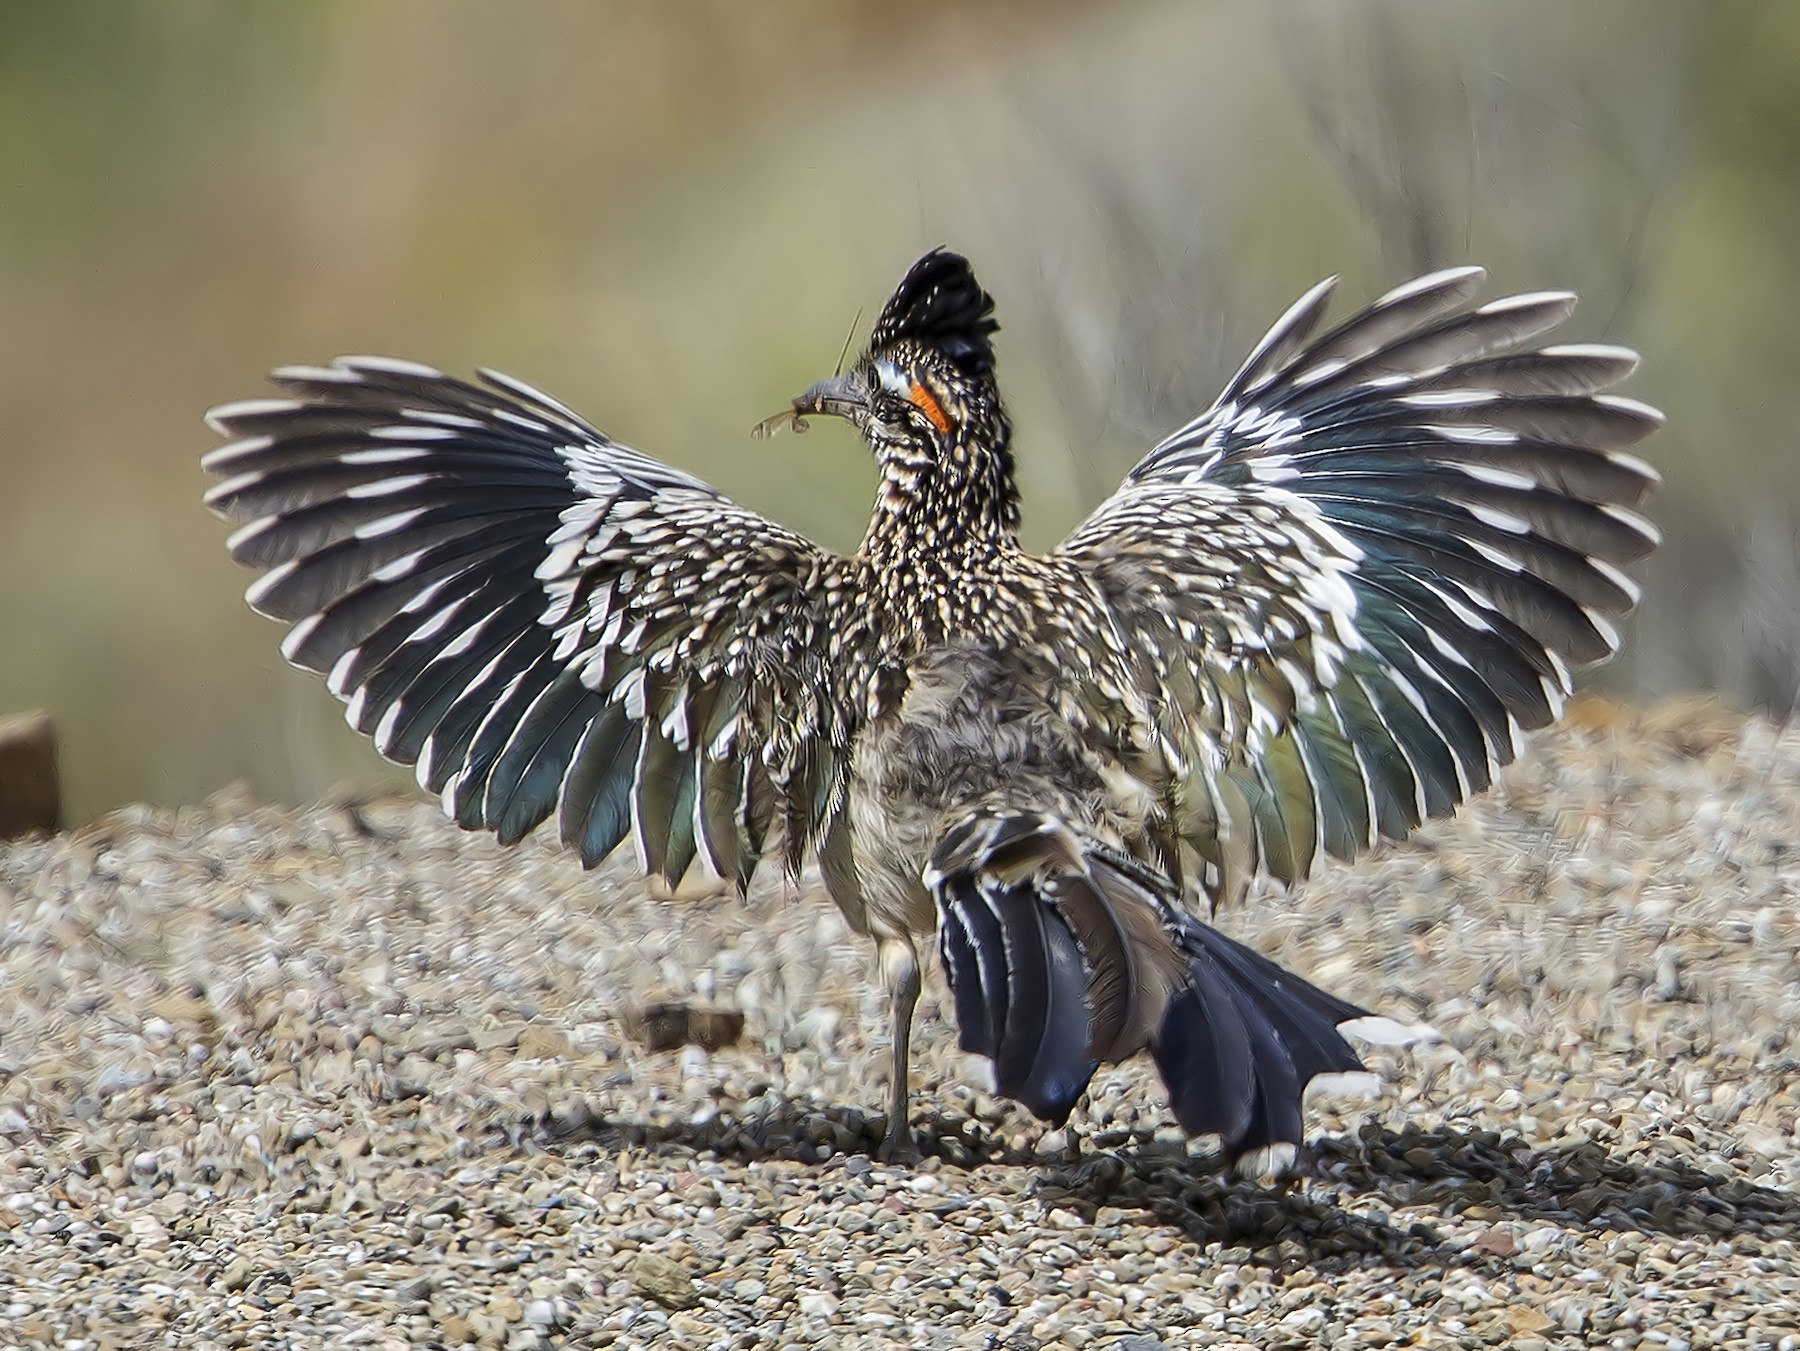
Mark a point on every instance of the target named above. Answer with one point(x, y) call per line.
point(668, 1283)
point(1522, 1318)
point(669, 1025)
point(30, 792)
point(1495, 1243)
point(237, 1275)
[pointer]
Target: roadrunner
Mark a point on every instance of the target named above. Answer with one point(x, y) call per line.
point(1314, 616)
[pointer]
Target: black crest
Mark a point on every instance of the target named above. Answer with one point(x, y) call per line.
point(940, 304)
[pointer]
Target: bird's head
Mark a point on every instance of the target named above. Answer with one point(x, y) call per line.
point(923, 394)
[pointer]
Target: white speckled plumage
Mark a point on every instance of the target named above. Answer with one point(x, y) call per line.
point(1316, 614)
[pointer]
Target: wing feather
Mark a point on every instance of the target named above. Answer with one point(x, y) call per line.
point(1366, 569)
point(543, 620)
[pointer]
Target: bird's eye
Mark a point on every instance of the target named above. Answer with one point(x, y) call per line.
point(903, 402)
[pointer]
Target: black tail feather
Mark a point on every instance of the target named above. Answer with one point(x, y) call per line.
point(1019, 984)
point(1062, 954)
point(1205, 1053)
point(1244, 1018)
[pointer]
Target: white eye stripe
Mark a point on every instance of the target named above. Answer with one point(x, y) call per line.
point(893, 379)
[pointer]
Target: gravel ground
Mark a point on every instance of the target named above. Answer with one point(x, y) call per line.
point(349, 1077)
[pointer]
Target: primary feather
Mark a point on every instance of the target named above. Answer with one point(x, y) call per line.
point(1317, 614)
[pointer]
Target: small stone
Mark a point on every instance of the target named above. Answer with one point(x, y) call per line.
point(1494, 1243)
point(1523, 1318)
point(667, 1282)
point(236, 1275)
point(1540, 1239)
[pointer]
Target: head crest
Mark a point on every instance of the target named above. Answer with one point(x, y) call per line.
point(940, 304)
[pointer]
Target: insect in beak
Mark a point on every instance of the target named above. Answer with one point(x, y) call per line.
point(840, 396)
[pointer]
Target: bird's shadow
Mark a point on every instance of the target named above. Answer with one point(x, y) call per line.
point(1313, 1218)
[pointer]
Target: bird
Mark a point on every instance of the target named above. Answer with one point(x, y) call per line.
point(1319, 613)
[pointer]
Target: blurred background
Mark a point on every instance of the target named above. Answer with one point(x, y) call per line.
point(670, 216)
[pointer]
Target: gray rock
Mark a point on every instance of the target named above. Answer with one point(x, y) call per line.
point(30, 788)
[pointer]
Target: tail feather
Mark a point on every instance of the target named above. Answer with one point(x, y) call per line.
point(1289, 1037)
point(1063, 954)
point(974, 960)
point(1306, 1016)
point(1207, 1058)
point(1026, 1007)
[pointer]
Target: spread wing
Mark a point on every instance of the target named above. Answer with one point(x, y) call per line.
point(537, 617)
point(1367, 567)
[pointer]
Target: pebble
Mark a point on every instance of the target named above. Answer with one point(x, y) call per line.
point(666, 1281)
point(389, 1087)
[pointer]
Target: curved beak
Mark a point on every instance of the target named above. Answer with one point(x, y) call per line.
point(840, 396)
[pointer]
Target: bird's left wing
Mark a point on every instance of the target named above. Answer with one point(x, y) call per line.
point(539, 618)
point(1338, 595)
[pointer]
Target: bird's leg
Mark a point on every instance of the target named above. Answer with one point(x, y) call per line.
point(900, 970)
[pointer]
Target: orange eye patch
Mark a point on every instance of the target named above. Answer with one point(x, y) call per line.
point(922, 399)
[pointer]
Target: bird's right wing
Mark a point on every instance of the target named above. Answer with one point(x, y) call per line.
point(1342, 591)
point(540, 618)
